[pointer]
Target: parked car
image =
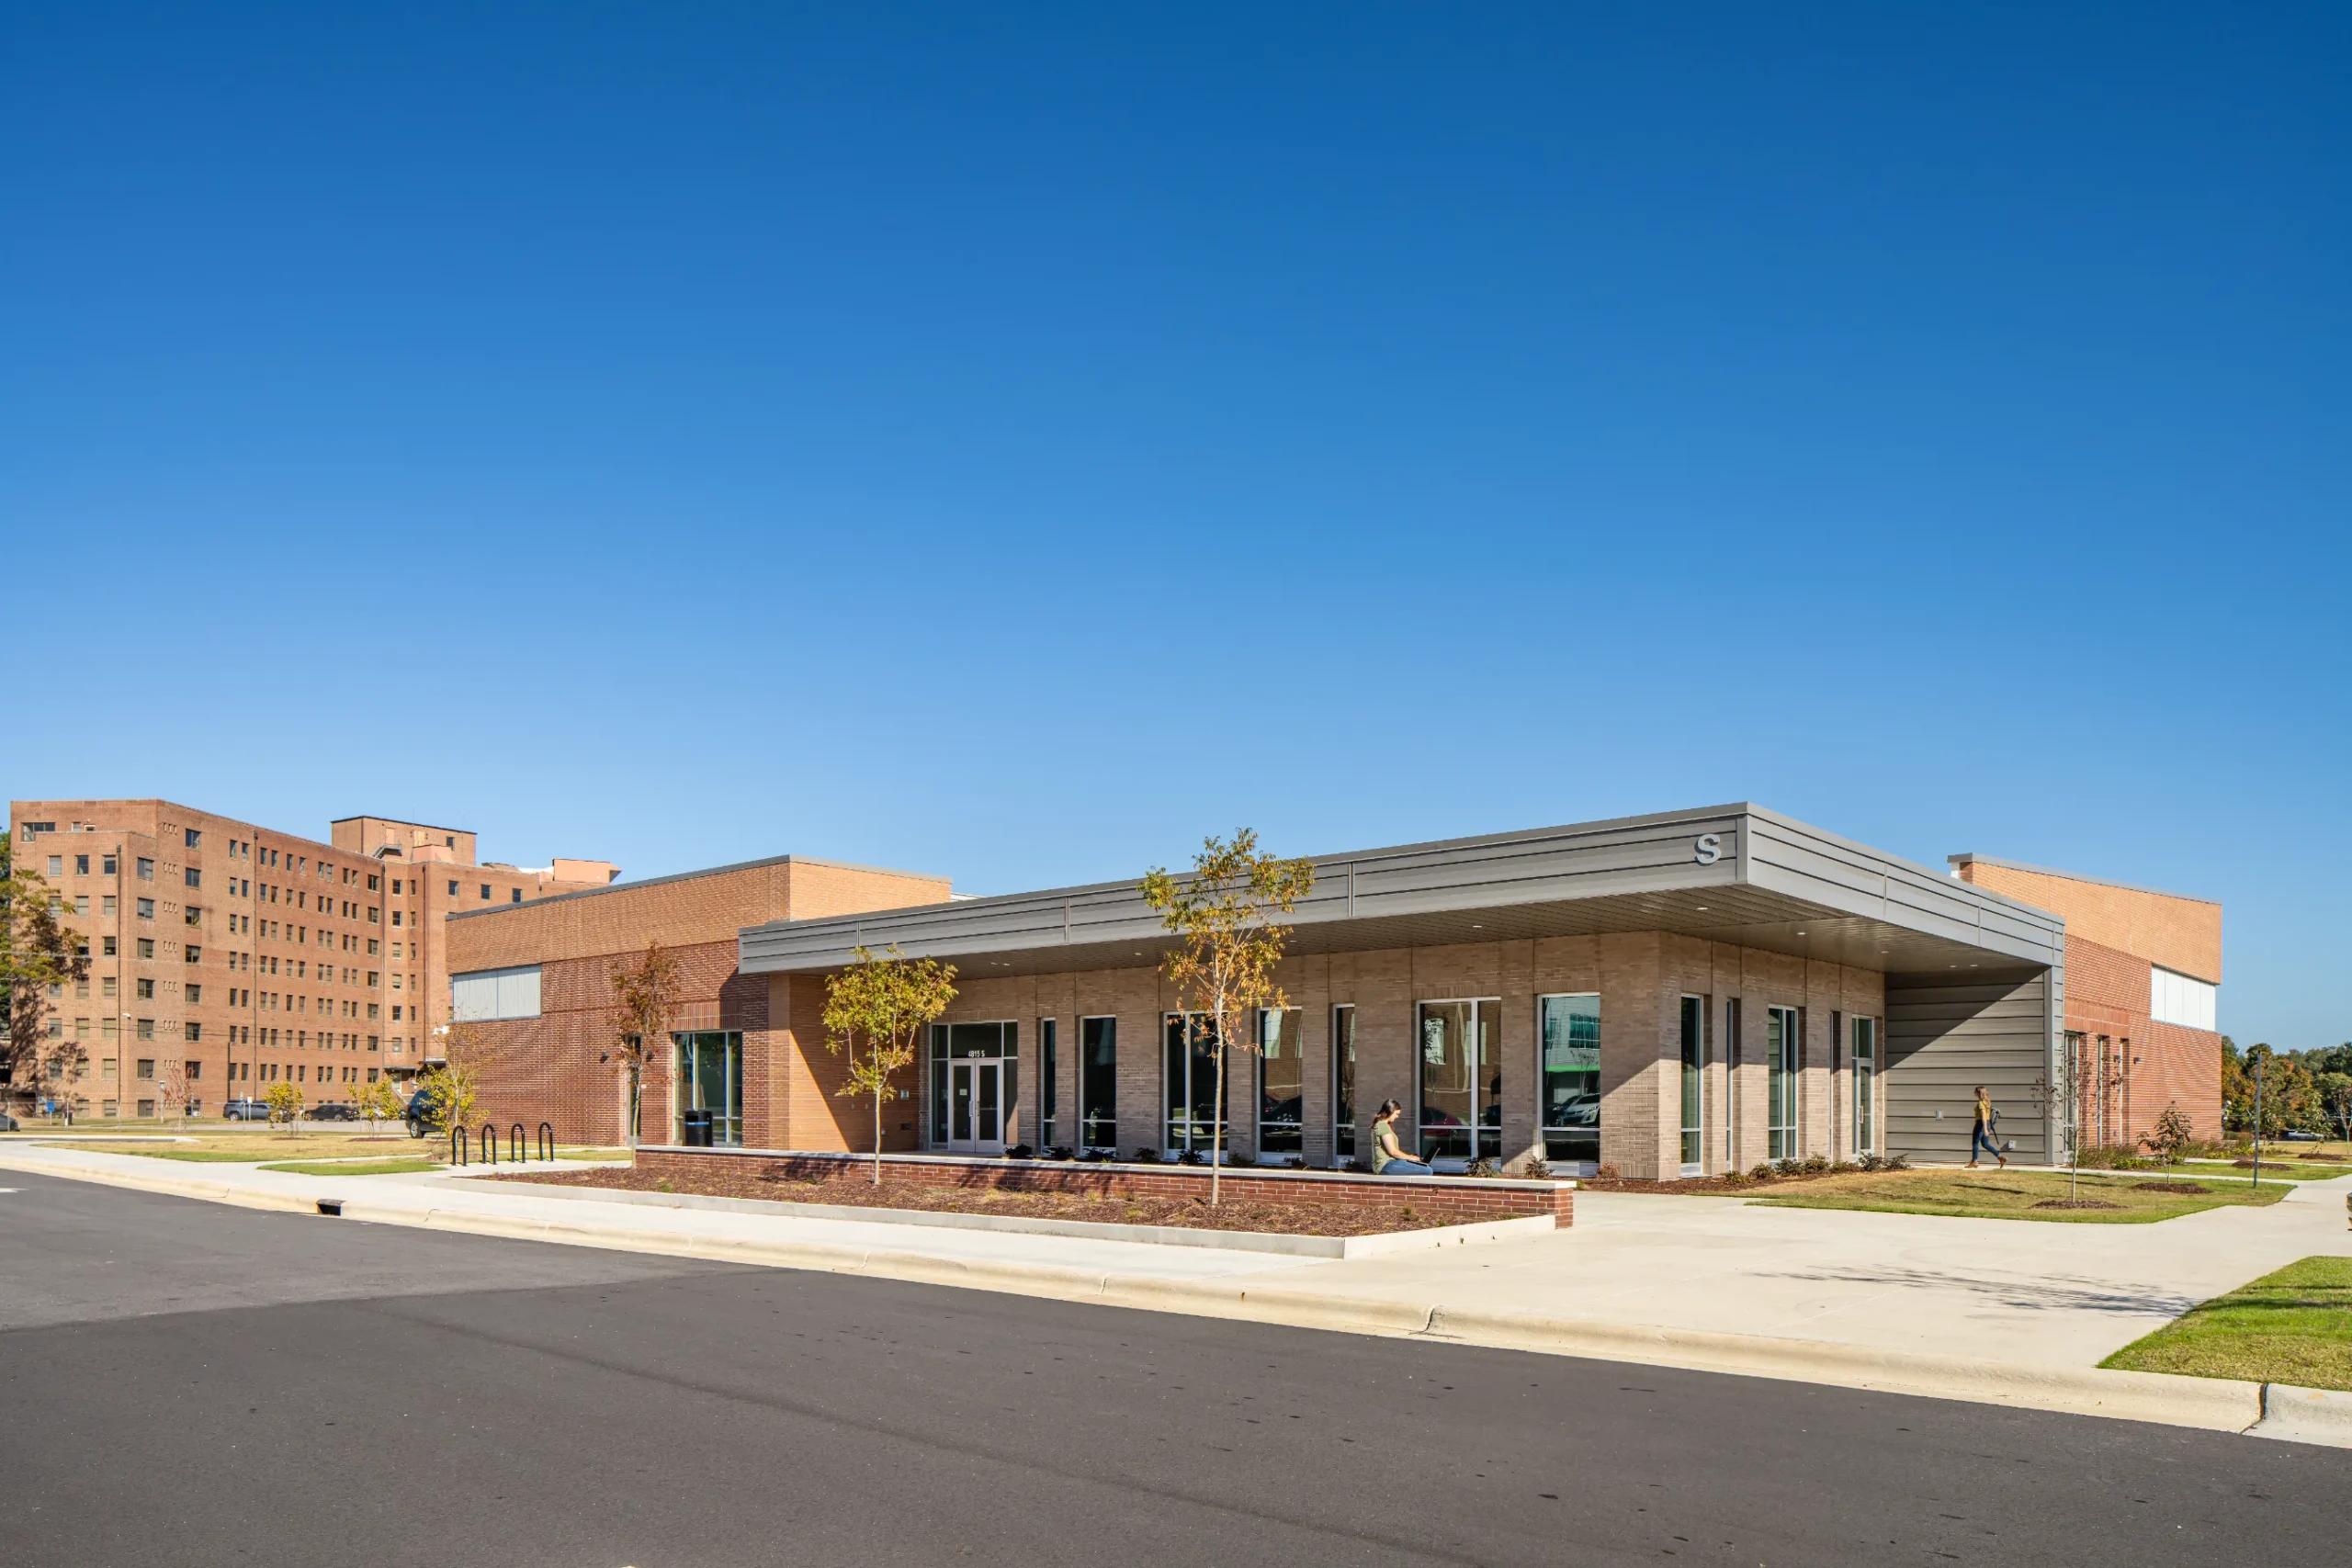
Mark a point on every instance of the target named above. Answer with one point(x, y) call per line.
point(244, 1110)
point(2300, 1136)
point(422, 1114)
point(332, 1111)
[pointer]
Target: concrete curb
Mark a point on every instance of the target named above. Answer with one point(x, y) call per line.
point(2305, 1416)
point(2211, 1403)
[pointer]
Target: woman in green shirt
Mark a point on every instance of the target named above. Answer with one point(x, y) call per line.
point(1388, 1160)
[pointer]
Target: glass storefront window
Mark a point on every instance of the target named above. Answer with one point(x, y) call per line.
point(1048, 1101)
point(710, 1078)
point(1570, 1072)
point(1461, 1076)
point(1195, 1120)
point(1343, 1082)
point(1783, 1055)
point(1865, 1086)
point(1694, 1068)
point(1281, 1082)
point(1097, 1083)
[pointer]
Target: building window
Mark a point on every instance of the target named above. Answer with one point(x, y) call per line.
point(1783, 1057)
point(194, 1032)
point(193, 877)
point(81, 903)
point(514, 894)
point(1195, 1113)
point(194, 839)
point(147, 1068)
point(485, 892)
point(194, 954)
point(146, 908)
point(1048, 1083)
point(1461, 1080)
point(144, 988)
point(1281, 1082)
point(81, 865)
point(1568, 1077)
point(57, 866)
point(109, 905)
point(453, 890)
point(146, 947)
point(1097, 1083)
point(146, 869)
point(711, 1080)
point(106, 867)
point(484, 995)
point(1343, 1083)
point(1865, 1031)
point(195, 1071)
point(1694, 1079)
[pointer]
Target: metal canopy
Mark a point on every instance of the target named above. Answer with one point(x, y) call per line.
point(1733, 873)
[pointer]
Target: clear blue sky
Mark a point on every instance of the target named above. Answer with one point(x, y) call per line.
point(1012, 443)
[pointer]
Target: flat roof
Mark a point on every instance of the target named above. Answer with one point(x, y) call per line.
point(1735, 873)
point(2076, 876)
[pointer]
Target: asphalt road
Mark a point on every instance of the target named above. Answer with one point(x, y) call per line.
point(182, 1383)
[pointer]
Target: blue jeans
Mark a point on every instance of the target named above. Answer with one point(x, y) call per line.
point(1406, 1168)
point(1983, 1140)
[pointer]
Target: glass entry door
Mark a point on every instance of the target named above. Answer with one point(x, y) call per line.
point(976, 1106)
point(1462, 1080)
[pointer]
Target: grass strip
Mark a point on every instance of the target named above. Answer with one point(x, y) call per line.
point(2293, 1326)
point(355, 1166)
point(2018, 1195)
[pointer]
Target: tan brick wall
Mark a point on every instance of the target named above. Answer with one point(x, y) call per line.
point(2182, 934)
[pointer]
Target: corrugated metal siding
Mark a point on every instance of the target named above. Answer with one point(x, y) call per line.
point(1944, 1039)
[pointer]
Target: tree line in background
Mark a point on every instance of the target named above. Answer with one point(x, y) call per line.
point(2303, 1091)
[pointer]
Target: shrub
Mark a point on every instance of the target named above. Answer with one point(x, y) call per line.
point(1538, 1169)
point(2172, 1134)
point(1790, 1167)
point(1482, 1168)
point(1734, 1178)
point(1147, 1156)
point(1874, 1162)
point(1843, 1167)
point(1814, 1165)
point(1760, 1173)
point(1607, 1173)
point(1896, 1162)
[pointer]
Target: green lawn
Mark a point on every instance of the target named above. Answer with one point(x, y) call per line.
point(2272, 1169)
point(357, 1167)
point(2294, 1326)
point(2014, 1194)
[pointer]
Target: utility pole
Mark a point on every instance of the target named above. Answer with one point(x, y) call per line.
point(2259, 1062)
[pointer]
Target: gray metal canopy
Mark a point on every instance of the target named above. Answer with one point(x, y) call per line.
point(1733, 873)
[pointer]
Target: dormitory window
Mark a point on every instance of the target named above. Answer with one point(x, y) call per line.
point(106, 866)
point(81, 865)
point(146, 869)
point(193, 877)
point(194, 839)
point(146, 908)
point(514, 894)
point(57, 866)
point(453, 890)
point(485, 890)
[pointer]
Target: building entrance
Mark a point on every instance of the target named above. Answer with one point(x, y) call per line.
point(976, 1105)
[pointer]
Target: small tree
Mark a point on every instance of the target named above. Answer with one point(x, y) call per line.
point(644, 996)
point(883, 1003)
point(61, 1067)
point(2172, 1134)
point(172, 1090)
point(378, 1102)
point(37, 951)
point(284, 1101)
point(455, 1082)
point(1228, 945)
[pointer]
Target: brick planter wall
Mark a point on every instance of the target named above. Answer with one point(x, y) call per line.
point(1459, 1200)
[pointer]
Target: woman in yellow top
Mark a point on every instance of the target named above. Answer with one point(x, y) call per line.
point(1981, 1135)
point(1388, 1160)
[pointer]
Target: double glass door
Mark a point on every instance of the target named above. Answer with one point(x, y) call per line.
point(976, 1105)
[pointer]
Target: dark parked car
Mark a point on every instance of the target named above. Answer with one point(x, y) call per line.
point(424, 1113)
point(244, 1110)
point(332, 1111)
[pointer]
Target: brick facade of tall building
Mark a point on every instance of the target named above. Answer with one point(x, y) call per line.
point(243, 956)
point(2130, 1063)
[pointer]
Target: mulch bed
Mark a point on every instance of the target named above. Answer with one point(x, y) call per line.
point(2184, 1188)
point(1703, 1186)
point(1233, 1214)
point(2084, 1202)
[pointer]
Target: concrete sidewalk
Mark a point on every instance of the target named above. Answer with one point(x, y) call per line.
point(2012, 1312)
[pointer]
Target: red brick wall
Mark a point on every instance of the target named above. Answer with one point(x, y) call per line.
point(1461, 1200)
point(2154, 1064)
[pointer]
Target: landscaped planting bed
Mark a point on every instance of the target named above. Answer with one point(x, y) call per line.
point(1240, 1210)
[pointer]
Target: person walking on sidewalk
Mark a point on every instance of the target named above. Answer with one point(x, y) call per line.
point(1980, 1136)
point(1388, 1160)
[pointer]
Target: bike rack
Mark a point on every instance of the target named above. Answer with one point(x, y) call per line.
point(517, 1149)
point(547, 1142)
point(457, 1146)
point(489, 1141)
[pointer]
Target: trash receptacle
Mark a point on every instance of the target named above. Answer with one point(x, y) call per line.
point(698, 1129)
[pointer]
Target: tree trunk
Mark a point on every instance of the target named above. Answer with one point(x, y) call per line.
point(1217, 1125)
point(878, 1140)
point(636, 1095)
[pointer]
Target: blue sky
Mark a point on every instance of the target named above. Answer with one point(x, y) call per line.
point(1014, 442)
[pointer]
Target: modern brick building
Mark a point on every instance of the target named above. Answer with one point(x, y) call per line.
point(244, 955)
point(2144, 975)
point(534, 987)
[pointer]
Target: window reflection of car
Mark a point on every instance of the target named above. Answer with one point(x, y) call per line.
point(1287, 1108)
point(1580, 1108)
point(1432, 1116)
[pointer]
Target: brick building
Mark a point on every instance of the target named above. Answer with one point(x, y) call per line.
point(534, 987)
point(2144, 975)
point(245, 956)
point(1673, 995)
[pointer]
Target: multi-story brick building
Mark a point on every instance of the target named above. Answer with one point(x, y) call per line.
point(2144, 975)
point(533, 985)
point(245, 956)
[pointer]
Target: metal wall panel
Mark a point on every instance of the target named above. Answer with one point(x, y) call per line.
point(1943, 1039)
